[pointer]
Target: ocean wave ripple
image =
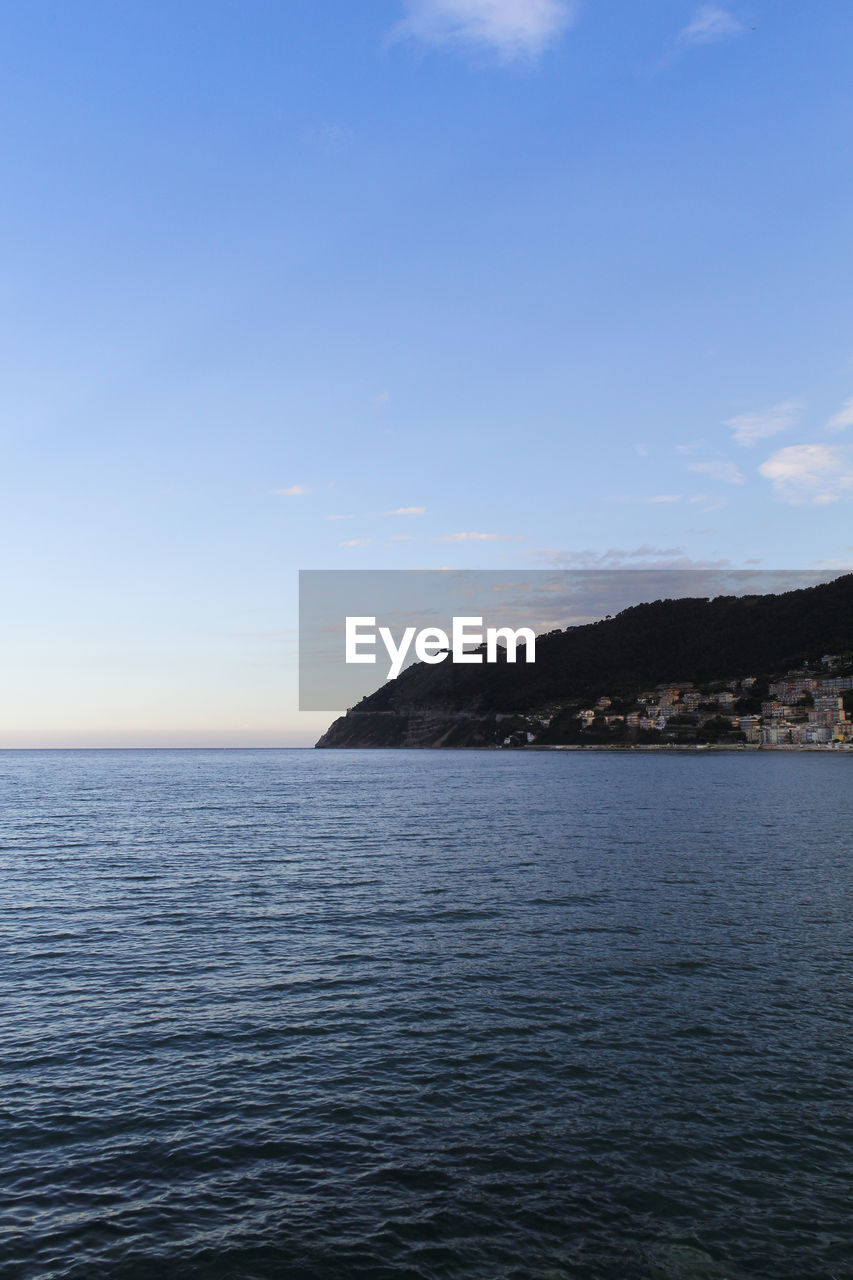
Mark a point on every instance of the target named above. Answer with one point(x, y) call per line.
point(425, 1015)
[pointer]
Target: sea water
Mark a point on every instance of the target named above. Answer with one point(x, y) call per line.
point(315, 1014)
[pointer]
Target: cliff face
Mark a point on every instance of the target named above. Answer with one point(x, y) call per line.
point(728, 638)
point(427, 726)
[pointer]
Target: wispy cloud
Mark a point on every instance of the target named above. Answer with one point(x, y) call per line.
point(810, 473)
point(355, 542)
point(708, 501)
point(470, 537)
point(509, 28)
point(326, 135)
point(843, 419)
point(749, 428)
point(295, 491)
point(661, 499)
point(407, 511)
point(709, 24)
point(720, 469)
point(642, 557)
point(835, 562)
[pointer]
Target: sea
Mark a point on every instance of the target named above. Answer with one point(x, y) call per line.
point(423, 1014)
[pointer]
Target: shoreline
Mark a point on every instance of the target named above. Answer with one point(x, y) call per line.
point(683, 746)
point(824, 747)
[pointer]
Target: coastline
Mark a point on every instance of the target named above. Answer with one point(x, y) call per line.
point(832, 747)
point(843, 748)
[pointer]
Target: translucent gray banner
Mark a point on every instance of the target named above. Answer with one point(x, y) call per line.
point(408, 602)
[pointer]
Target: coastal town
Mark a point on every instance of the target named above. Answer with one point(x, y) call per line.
point(764, 672)
point(808, 707)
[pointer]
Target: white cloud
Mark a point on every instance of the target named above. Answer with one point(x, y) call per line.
point(407, 511)
point(709, 24)
point(293, 492)
point(661, 498)
point(842, 419)
point(748, 428)
point(355, 542)
point(470, 537)
point(510, 28)
point(810, 473)
point(722, 470)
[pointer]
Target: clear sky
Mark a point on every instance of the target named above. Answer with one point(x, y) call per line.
point(399, 283)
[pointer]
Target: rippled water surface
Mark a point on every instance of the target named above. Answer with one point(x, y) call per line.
point(425, 1014)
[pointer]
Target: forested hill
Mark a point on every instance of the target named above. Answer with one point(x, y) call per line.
point(688, 640)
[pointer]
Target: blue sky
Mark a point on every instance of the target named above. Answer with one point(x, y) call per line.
point(476, 283)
